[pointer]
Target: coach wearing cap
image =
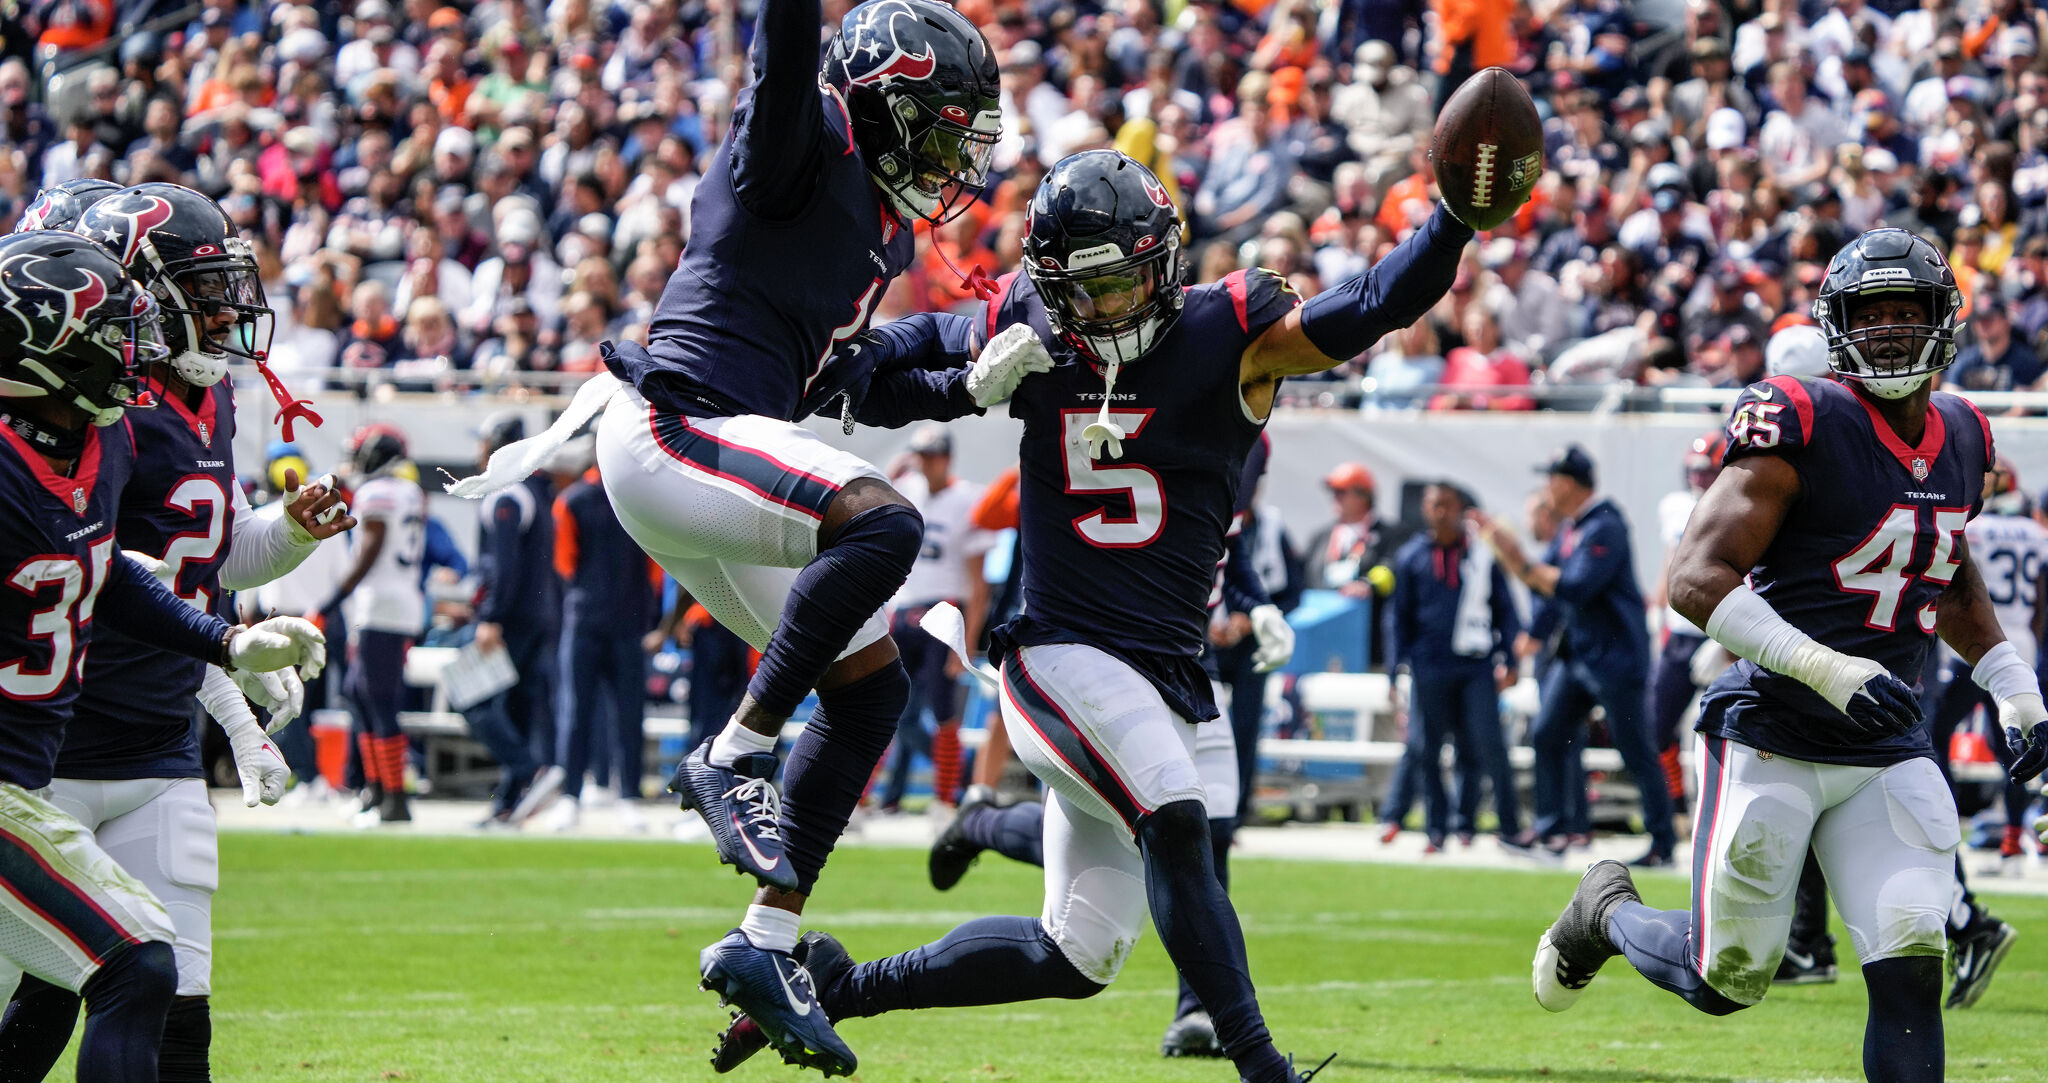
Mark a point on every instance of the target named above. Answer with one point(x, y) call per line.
point(1588, 574)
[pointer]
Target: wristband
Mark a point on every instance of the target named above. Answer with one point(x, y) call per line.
point(2004, 674)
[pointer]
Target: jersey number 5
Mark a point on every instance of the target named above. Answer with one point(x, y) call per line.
point(77, 590)
point(1136, 484)
point(1878, 567)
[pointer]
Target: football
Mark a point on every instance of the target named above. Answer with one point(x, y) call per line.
point(1488, 149)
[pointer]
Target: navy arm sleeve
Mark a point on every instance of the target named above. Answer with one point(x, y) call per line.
point(1242, 590)
point(912, 369)
point(134, 604)
point(1345, 321)
point(776, 150)
point(1601, 554)
point(503, 585)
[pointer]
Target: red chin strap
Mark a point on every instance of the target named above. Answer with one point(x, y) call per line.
point(975, 281)
point(290, 409)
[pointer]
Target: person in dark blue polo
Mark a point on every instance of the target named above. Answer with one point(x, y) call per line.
point(519, 605)
point(609, 602)
point(1603, 651)
point(1451, 626)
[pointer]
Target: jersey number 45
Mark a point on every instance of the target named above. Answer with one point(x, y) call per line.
point(1882, 565)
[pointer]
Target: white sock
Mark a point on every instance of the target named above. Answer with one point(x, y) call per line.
point(735, 741)
point(771, 929)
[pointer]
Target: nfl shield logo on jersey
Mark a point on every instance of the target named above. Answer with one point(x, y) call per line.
point(205, 435)
point(78, 501)
point(1920, 469)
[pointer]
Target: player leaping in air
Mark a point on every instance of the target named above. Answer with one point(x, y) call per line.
point(1827, 555)
point(801, 222)
point(1132, 452)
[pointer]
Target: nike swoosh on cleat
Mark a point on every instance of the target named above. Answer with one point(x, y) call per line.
point(796, 1004)
point(759, 858)
point(1803, 962)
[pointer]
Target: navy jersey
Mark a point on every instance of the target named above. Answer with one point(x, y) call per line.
point(758, 305)
point(133, 718)
point(1873, 539)
point(57, 540)
point(1120, 553)
point(607, 584)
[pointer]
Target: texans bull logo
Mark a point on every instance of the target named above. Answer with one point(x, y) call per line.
point(897, 64)
point(142, 217)
point(1158, 193)
point(23, 282)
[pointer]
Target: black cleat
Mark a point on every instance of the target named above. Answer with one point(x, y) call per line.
point(1974, 955)
point(1575, 946)
point(1305, 1077)
point(952, 854)
point(1807, 964)
point(740, 806)
point(828, 963)
point(1192, 1035)
point(776, 994)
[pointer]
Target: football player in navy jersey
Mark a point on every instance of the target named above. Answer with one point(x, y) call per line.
point(80, 331)
point(1826, 556)
point(800, 224)
point(130, 769)
point(1131, 457)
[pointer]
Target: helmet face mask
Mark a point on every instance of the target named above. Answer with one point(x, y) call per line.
point(180, 245)
point(921, 91)
point(1880, 277)
point(1103, 247)
point(81, 330)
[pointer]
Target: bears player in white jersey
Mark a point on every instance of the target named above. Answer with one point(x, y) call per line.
point(386, 608)
point(1827, 555)
point(129, 770)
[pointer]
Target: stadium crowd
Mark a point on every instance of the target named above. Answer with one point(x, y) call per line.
point(444, 194)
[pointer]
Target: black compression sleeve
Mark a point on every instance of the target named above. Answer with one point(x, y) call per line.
point(776, 151)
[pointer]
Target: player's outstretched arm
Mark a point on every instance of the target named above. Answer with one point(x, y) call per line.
point(775, 152)
point(1735, 522)
point(1341, 323)
point(135, 604)
point(1966, 620)
point(932, 367)
point(267, 545)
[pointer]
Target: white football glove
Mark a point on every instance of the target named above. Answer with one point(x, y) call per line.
point(277, 643)
point(1275, 639)
point(1708, 662)
point(280, 692)
point(293, 496)
point(1004, 363)
point(262, 768)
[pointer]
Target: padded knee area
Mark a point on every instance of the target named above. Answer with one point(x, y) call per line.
point(1912, 917)
point(1176, 832)
point(188, 1035)
point(145, 971)
point(895, 531)
point(1100, 922)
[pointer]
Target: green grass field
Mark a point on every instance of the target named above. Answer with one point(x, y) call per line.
point(430, 959)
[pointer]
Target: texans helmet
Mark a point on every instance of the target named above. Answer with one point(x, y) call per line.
point(921, 92)
point(375, 449)
point(1103, 248)
point(182, 246)
point(1889, 261)
point(73, 325)
point(59, 205)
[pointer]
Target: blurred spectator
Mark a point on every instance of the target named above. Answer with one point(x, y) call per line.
point(1996, 359)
